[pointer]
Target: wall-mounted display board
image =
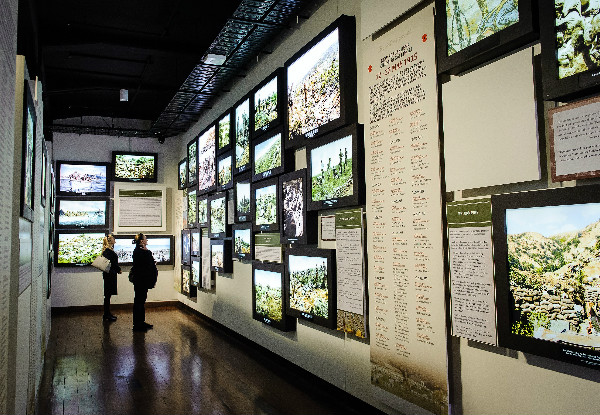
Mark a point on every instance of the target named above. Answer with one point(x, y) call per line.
point(242, 190)
point(573, 137)
point(243, 161)
point(268, 296)
point(268, 100)
point(267, 247)
point(220, 256)
point(298, 225)
point(140, 207)
point(186, 247)
point(311, 285)
point(192, 207)
point(182, 174)
point(546, 256)
point(269, 155)
point(130, 166)
point(82, 178)
point(28, 154)
point(321, 83)
point(195, 268)
point(82, 212)
point(225, 171)
point(570, 62)
point(192, 157)
point(202, 202)
point(473, 309)
point(73, 248)
point(207, 153)
point(406, 254)
point(265, 207)
point(243, 243)
point(161, 246)
point(472, 32)
point(225, 133)
point(336, 169)
point(217, 216)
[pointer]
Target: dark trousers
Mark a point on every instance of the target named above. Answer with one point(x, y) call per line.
point(139, 299)
point(107, 305)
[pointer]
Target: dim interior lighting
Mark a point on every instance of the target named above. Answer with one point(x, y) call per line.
point(124, 95)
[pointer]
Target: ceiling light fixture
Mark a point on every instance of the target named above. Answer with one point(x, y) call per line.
point(124, 95)
point(213, 59)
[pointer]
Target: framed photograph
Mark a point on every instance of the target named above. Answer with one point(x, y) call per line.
point(186, 279)
point(242, 198)
point(269, 156)
point(195, 235)
point(161, 246)
point(225, 132)
point(28, 154)
point(195, 268)
point(472, 32)
point(264, 205)
point(192, 208)
point(52, 188)
point(140, 207)
point(76, 247)
point(321, 84)
point(83, 212)
point(183, 174)
point(134, 166)
point(225, 171)
point(82, 178)
point(186, 247)
point(242, 128)
point(268, 296)
point(298, 225)
point(243, 242)
point(545, 258)
point(570, 58)
point(44, 173)
point(336, 171)
point(220, 256)
point(192, 157)
point(202, 202)
point(268, 99)
point(311, 284)
point(217, 216)
point(207, 158)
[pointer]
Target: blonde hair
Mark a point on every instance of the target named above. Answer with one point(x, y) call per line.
point(138, 238)
point(105, 244)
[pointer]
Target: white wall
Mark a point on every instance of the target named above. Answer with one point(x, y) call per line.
point(81, 286)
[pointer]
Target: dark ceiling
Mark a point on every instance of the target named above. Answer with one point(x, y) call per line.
point(90, 50)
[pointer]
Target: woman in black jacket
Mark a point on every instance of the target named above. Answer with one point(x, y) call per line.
point(110, 277)
point(145, 274)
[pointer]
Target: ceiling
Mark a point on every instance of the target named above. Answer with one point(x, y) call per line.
point(91, 50)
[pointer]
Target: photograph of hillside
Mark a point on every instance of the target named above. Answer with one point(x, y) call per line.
point(265, 105)
point(242, 134)
point(192, 163)
point(308, 285)
point(225, 173)
point(217, 215)
point(269, 303)
point(331, 170)
point(185, 281)
point(202, 210)
point(134, 167)
point(554, 272)
point(192, 217)
point(206, 160)
point(267, 155)
point(243, 198)
point(313, 85)
point(242, 241)
point(224, 128)
point(266, 205)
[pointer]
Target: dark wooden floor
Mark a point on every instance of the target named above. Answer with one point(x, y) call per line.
point(182, 366)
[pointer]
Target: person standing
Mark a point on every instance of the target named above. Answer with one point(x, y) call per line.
point(110, 277)
point(145, 276)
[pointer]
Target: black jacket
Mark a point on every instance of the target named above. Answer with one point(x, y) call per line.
point(144, 269)
point(110, 277)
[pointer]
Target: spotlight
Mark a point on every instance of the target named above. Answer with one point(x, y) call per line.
point(161, 140)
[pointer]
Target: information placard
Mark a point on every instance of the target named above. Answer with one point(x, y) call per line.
point(140, 207)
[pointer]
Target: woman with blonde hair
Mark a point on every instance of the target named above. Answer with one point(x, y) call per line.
point(110, 277)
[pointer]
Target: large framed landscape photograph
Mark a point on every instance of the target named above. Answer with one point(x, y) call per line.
point(243, 242)
point(225, 133)
point(220, 256)
point(161, 246)
point(182, 174)
point(134, 166)
point(76, 247)
point(192, 165)
point(547, 257)
point(472, 32)
point(82, 178)
point(268, 156)
point(88, 212)
point(267, 103)
point(192, 208)
point(217, 216)
point(242, 136)
point(268, 296)
point(207, 158)
point(225, 171)
point(264, 205)
point(242, 198)
point(28, 154)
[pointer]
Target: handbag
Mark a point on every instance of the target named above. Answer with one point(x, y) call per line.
point(131, 276)
point(102, 263)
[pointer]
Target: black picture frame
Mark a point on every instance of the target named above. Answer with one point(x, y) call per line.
point(202, 202)
point(86, 243)
point(575, 85)
point(263, 276)
point(124, 248)
point(218, 209)
point(218, 247)
point(242, 127)
point(512, 37)
point(302, 110)
point(28, 142)
point(225, 164)
point(298, 224)
point(242, 242)
point(348, 137)
point(192, 157)
point(301, 258)
point(44, 180)
point(65, 221)
point(242, 191)
point(266, 217)
point(182, 174)
point(195, 271)
point(267, 114)
point(195, 242)
point(225, 132)
point(269, 157)
point(207, 160)
point(118, 159)
point(82, 178)
point(561, 343)
point(186, 280)
point(192, 207)
point(186, 244)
